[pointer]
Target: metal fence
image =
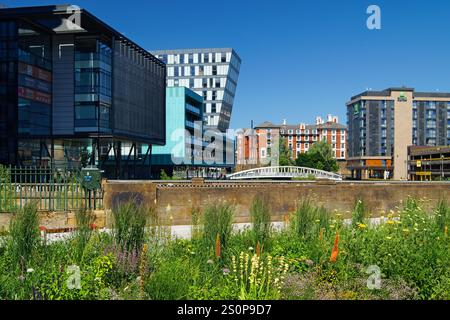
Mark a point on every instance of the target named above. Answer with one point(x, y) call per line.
point(49, 188)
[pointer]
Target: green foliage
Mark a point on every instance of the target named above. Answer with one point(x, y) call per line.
point(171, 280)
point(410, 247)
point(307, 220)
point(164, 175)
point(55, 283)
point(443, 215)
point(129, 221)
point(320, 156)
point(217, 219)
point(6, 190)
point(261, 221)
point(359, 213)
point(25, 235)
point(285, 155)
point(84, 221)
point(256, 278)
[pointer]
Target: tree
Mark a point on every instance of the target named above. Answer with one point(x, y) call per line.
point(285, 158)
point(320, 156)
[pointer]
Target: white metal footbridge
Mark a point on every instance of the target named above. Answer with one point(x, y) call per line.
point(283, 173)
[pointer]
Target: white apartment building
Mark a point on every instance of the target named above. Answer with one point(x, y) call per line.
point(211, 73)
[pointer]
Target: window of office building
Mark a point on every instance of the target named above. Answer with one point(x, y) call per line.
point(93, 83)
point(33, 51)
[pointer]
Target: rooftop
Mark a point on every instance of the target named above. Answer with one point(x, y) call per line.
point(387, 93)
point(195, 50)
point(51, 19)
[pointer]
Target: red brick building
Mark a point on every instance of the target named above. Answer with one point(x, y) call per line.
point(255, 146)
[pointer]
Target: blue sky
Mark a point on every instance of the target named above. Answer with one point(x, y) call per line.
point(300, 58)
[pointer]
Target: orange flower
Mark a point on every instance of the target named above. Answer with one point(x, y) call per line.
point(335, 251)
point(286, 218)
point(218, 246)
point(258, 249)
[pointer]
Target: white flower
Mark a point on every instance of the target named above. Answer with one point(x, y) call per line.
point(250, 248)
point(209, 261)
point(30, 270)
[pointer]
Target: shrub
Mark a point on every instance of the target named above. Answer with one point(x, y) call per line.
point(25, 235)
point(260, 218)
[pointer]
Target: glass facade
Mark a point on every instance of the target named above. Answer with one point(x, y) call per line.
point(139, 93)
point(34, 82)
point(70, 96)
point(8, 91)
point(93, 85)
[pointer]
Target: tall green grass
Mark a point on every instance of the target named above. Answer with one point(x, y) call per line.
point(217, 220)
point(308, 220)
point(359, 213)
point(260, 218)
point(129, 221)
point(442, 215)
point(25, 235)
point(84, 221)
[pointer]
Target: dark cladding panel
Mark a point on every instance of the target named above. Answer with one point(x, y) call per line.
point(63, 85)
point(8, 92)
point(139, 95)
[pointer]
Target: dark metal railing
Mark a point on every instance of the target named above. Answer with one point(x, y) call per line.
point(49, 188)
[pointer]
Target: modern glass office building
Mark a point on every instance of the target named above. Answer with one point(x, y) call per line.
point(184, 109)
point(211, 73)
point(188, 150)
point(74, 91)
point(383, 124)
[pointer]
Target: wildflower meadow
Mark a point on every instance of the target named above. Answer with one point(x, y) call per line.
point(315, 255)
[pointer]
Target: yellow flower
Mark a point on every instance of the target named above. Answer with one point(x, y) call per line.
point(362, 226)
point(332, 226)
point(389, 238)
point(406, 230)
point(390, 222)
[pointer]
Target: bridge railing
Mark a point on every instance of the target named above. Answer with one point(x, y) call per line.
point(281, 172)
